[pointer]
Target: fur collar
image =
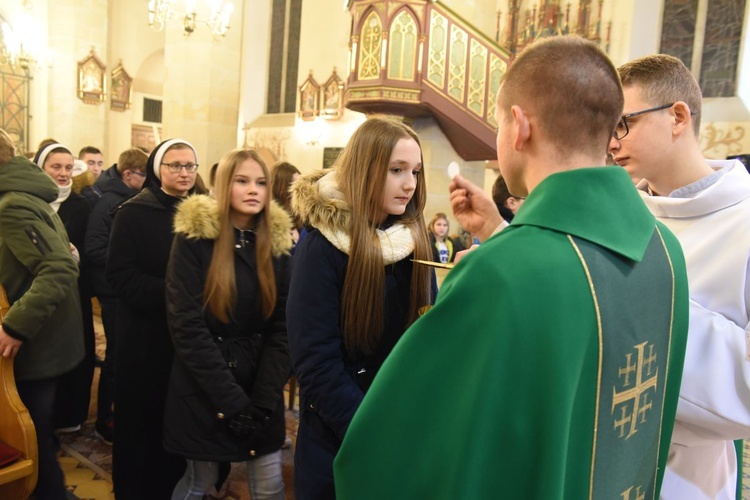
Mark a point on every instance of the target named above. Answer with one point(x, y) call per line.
point(198, 217)
point(319, 203)
point(83, 180)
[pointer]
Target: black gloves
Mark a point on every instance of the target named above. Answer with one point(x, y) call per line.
point(251, 419)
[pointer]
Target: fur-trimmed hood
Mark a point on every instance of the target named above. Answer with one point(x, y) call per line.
point(83, 180)
point(198, 217)
point(319, 202)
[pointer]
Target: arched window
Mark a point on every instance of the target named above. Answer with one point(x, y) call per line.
point(403, 48)
point(283, 58)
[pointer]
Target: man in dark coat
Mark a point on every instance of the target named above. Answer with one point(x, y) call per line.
point(43, 328)
point(120, 181)
point(139, 248)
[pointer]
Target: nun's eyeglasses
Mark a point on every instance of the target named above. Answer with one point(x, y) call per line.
point(176, 167)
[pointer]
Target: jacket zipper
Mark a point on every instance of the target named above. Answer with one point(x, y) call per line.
point(38, 241)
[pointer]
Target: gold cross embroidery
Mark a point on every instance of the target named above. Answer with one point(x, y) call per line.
point(639, 495)
point(633, 398)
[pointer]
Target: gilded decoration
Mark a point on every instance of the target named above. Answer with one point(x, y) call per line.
point(401, 95)
point(333, 97)
point(719, 141)
point(522, 25)
point(91, 83)
point(423, 44)
point(122, 91)
point(457, 75)
point(378, 93)
point(418, 8)
point(477, 68)
point(402, 55)
point(638, 376)
point(309, 99)
point(363, 7)
point(371, 40)
point(497, 70)
point(438, 46)
point(633, 493)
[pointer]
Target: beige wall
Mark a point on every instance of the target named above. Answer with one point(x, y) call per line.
point(214, 91)
point(202, 89)
point(72, 33)
point(134, 43)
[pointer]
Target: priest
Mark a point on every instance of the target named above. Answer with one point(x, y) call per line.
point(550, 365)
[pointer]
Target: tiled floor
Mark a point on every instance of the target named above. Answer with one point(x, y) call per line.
point(87, 465)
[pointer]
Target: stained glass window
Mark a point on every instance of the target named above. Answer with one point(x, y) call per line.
point(719, 44)
point(403, 48)
point(678, 29)
point(721, 48)
point(285, 33)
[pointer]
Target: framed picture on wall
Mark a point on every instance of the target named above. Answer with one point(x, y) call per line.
point(91, 82)
point(333, 97)
point(330, 155)
point(309, 99)
point(122, 89)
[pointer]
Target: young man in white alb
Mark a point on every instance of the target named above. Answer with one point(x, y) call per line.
point(706, 204)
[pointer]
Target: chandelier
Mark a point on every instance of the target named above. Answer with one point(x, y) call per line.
point(14, 52)
point(160, 11)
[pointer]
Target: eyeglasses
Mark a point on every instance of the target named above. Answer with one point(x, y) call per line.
point(177, 167)
point(622, 129)
point(138, 173)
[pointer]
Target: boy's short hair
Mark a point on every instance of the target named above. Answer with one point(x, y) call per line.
point(663, 79)
point(90, 150)
point(132, 159)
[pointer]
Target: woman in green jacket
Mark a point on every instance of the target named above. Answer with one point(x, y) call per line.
point(43, 328)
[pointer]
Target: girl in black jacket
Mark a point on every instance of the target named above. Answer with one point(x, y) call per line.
point(226, 289)
point(354, 289)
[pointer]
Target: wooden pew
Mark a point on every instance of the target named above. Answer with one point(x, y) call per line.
point(18, 479)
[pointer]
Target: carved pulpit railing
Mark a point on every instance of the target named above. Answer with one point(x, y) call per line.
point(418, 58)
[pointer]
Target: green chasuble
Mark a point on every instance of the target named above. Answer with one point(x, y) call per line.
point(549, 367)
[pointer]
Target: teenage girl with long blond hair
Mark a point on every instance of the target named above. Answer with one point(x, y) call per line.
point(227, 283)
point(354, 288)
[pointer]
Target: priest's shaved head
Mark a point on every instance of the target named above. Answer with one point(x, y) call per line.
point(562, 98)
point(572, 86)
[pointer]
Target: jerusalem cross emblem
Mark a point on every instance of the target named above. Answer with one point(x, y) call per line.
point(633, 398)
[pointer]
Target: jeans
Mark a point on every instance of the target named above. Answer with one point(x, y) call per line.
point(263, 478)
